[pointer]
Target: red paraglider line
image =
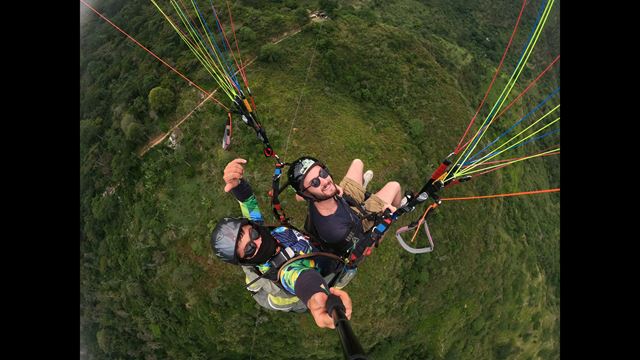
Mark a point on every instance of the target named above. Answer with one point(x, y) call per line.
point(515, 29)
point(154, 55)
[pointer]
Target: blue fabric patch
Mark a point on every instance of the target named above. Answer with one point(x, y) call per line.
point(255, 215)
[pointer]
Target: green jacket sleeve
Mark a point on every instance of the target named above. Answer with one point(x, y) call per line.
point(248, 202)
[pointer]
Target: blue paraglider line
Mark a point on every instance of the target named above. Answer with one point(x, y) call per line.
point(553, 93)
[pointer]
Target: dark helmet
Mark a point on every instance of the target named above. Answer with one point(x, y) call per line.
point(299, 169)
point(225, 237)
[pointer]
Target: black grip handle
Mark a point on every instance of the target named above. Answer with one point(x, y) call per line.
point(350, 344)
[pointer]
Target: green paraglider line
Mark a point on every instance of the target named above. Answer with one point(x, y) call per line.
point(550, 152)
point(226, 67)
point(494, 154)
point(528, 87)
point(503, 96)
point(242, 72)
point(226, 45)
point(495, 75)
point(152, 54)
point(197, 37)
point(522, 93)
point(507, 90)
point(211, 67)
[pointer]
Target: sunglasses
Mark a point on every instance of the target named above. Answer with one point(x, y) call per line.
point(251, 247)
point(315, 182)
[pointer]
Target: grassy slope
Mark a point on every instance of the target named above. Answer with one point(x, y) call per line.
point(151, 286)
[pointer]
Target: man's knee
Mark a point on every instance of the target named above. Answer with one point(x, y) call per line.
point(395, 186)
point(357, 162)
point(355, 171)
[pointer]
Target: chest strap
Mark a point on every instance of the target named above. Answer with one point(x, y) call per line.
point(275, 263)
point(282, 257)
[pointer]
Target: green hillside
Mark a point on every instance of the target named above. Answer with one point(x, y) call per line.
point(393, 83)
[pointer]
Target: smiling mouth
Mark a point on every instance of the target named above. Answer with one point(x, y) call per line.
point(326, 187)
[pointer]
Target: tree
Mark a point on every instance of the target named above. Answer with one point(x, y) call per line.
point(103, 340)
point(89, 129)
point(329, 6)
point(302, 17)
point(291, 4)
point(270, 53)
point(139, 108)
point(506, 350)
point(132, 129)
point(148, 81)
point(161, 100)
point(246, 35)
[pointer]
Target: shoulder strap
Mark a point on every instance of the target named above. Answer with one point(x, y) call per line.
point(276, 263)
point(261, 276)
point(282, 257)
point(364, 214)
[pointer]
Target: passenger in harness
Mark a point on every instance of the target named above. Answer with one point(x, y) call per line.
point(284, 271)
point(339, 216)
